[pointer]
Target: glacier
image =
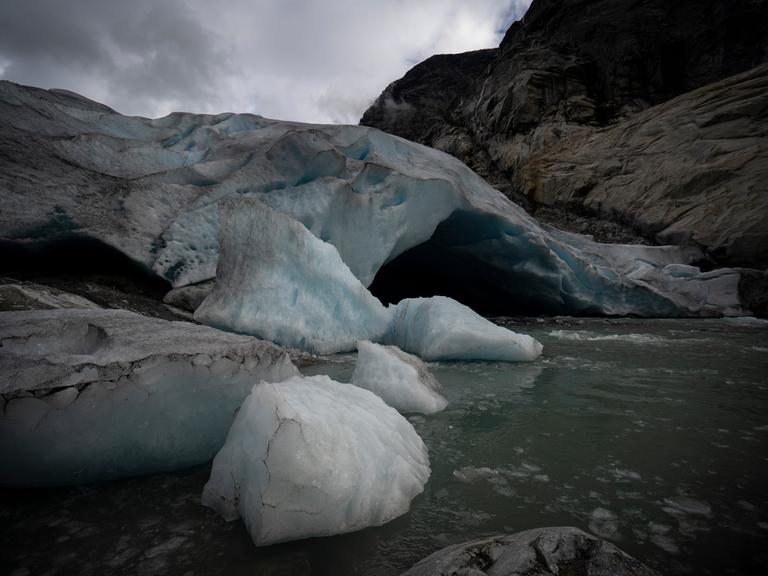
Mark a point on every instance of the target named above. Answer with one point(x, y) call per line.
point(400, 379)
point(89, 395)
point(313, 457)
point(151, 188)
point(278, 281)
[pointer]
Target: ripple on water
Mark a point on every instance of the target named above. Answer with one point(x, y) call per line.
point(678, 505)
point(586, 336)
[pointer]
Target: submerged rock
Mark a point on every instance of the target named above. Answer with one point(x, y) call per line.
point(400, 379)
point(538, 552)
point(91, 395)
point(313, 457)
point(152, 189)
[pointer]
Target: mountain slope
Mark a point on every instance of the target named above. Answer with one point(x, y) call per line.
point(572, 68)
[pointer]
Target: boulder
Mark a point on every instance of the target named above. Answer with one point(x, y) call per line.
point(538, 552)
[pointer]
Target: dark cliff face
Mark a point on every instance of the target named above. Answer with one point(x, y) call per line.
point(648, 49)
point(567, 71)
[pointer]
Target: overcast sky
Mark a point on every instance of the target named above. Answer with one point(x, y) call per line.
point(309, 60)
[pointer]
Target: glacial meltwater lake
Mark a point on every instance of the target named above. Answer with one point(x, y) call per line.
point(650, 433)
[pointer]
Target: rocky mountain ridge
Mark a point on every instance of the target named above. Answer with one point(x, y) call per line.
point(541, 118)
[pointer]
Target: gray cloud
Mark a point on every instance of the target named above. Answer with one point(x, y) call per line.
point(310, 60)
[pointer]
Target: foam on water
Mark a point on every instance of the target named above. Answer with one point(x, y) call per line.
point(594, 337)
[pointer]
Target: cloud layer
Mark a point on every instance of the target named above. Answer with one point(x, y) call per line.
point(308, 60)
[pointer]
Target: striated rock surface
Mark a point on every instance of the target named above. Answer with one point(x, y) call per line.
point(692, 171)
point(94, 394)
point(538, 552)
point(529, 115)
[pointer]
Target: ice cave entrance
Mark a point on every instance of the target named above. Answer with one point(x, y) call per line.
point(79, 257)
point(468, 258)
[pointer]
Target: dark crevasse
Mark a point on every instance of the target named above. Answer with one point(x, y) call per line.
point(68, 261)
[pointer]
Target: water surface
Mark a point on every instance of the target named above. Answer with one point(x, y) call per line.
point(652, 434)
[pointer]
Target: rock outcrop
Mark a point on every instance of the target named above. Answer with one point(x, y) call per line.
point(531, 115)
point(538, 552)
point(691, 171)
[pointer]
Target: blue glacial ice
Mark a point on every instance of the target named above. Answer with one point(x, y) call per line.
point(400, 379)
point(281, 283)
point(278, 281)
point(151, 188)
point(90, 395)
point(313, 457)
point(440, 328)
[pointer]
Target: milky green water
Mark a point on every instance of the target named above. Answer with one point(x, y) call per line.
point(652, 434)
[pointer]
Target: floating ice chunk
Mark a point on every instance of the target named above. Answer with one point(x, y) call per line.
point(660, 537)
point(400, 379)
point(277, 281)
point(686, 505)
point(666, 543)
point(469, 474)
point(439, 328)
point(89, 395)
point(313, 457)
point(604, 523)
point(624, 475)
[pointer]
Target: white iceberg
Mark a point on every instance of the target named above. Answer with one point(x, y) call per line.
point(440, 328)
point(313, 457)
point(400, 379)
point(89, 395)
point(278, 281)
